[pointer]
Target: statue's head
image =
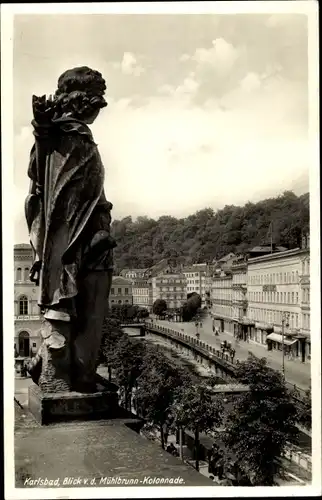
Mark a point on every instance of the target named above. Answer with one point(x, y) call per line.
point(80, 93)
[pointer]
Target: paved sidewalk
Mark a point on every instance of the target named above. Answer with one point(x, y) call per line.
point(296, 372)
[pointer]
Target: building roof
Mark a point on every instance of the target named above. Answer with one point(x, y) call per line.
point(227, 257)
point(278, 255)
point(135, 270)
point(119, 280)
point(267, 248)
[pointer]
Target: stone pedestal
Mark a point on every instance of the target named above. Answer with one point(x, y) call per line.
point(50, 408)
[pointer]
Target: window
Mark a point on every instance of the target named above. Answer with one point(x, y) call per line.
point(281, 277)
point(284, 297)
point(293, 276)
point(119, 292)
point(23, 305)
point(112, 300)
point(126, 291)
point(297, 320)
point(292, 297)
point(288, 297)
point(34, 344)
point(19, 275)
point(284, 277)
point(126, 301)
point(277, 297)
point(112, 291)
point(297, 298)
point(26, 277)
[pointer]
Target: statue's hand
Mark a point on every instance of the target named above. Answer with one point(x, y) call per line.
point(34, 274)
point(43, 109)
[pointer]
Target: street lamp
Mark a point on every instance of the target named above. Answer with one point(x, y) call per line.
point(285, 318)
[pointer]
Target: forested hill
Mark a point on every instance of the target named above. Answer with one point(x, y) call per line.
point(210, 234)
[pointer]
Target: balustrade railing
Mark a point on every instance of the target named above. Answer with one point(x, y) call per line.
point(297, 392)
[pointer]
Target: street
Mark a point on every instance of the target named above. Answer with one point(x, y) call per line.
point(296, 372)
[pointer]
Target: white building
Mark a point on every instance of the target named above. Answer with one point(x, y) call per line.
point(275, 285)
point(221, 298)
point(196, 281)
point(142, 293)
point(239, 297)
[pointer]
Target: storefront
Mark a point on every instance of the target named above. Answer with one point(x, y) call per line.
point(223, 325)
point(275, 341)
point(262, 330)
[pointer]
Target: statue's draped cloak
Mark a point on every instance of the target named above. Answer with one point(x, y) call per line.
point(66, 210)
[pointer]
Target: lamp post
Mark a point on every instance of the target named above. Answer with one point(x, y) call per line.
point(285, 318)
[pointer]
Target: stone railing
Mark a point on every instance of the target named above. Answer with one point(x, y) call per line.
point(214, 354)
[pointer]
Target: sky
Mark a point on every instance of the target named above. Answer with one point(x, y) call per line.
point(203, 110)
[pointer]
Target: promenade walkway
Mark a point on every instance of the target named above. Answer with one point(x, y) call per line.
point(296, 372)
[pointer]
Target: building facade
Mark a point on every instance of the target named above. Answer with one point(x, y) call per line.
point(221, 298)
point(196, 281)
point(27, 320)
point(239, 297)
point(142, 293)
point(170, 287)
point(275, 294)
point(121, 291)
point(133, 274)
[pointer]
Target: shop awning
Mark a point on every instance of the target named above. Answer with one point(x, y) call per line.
point(276, 337)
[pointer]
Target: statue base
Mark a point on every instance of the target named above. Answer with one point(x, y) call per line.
point(49, 408)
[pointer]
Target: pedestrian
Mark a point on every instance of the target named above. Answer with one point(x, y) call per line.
point(233, 352)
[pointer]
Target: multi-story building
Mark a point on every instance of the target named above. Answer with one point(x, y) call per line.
point(171, 287)
point(132, 274)
point(142, 292)
point(196, 279)
point(239, 297)
point(26, 311)
point(305, 295)
point(274, 287)
point(221, 298)
point(121, 291)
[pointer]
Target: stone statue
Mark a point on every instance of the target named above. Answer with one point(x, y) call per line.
point(69, 220)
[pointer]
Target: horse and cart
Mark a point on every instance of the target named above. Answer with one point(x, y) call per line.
point(227, 348)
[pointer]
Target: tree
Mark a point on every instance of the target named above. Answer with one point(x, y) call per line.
point(190, 308)
point(127, 361)
point(112, 332)
point(159, 307)
point(155, 389)
point(261, 421)
point(195, 408)
point(304, 410)
point(143, 313)
point(206, 234)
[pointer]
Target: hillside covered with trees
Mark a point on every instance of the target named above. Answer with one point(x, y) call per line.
point(210, 234)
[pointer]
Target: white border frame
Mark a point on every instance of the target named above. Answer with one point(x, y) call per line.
point(310, 8)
